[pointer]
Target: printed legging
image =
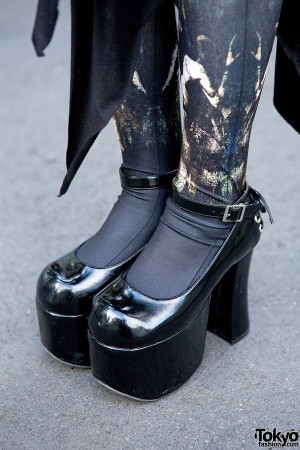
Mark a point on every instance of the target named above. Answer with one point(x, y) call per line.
point(223, 48)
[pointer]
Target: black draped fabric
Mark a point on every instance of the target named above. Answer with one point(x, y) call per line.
point(105, 42)
point(287, 68)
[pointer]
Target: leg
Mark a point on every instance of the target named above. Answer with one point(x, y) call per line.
point(149, 128)
point(224, 49)
point(148, 125)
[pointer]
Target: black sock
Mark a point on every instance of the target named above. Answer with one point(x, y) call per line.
point(182, 247)
point(129, 226)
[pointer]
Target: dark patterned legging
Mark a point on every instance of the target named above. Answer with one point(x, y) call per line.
point(224, 48)
point(148, 121)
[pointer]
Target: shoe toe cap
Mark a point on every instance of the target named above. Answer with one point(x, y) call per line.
point(119, 319)
point(64, 286)
point(115, 328)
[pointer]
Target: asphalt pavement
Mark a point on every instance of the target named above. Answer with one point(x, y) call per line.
point(45, 405)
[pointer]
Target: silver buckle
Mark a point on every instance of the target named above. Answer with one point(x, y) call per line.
point(226, 215)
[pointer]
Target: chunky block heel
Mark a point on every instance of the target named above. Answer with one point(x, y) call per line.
point(228, 313)
point(65, 337)
point(165, 365)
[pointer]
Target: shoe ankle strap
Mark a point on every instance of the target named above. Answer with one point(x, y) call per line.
point(146, 182)
point(228, 213)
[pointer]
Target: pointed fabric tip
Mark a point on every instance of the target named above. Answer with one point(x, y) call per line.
point(74, 162)
point(38, 50)
point(65, 185)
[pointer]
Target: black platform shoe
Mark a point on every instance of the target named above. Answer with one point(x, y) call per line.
point(66, 287)
point(146, 348)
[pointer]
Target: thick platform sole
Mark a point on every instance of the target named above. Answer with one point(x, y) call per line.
point(155, 371)
point(65, 337)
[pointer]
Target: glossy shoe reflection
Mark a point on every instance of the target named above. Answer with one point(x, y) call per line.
point(146, 348)
point(66, 287)
point(64, 295)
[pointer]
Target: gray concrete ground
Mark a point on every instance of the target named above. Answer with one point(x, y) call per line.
point(47, 406)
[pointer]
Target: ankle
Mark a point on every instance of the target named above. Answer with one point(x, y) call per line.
point(135, 172)
point(200, 194)
point(182, 247)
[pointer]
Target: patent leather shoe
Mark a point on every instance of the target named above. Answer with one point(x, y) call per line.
point(146, 348)
point(66, 287)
